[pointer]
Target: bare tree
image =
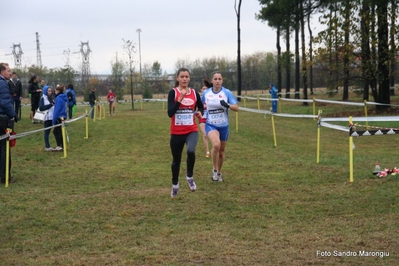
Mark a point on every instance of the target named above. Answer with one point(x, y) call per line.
point(129, 48)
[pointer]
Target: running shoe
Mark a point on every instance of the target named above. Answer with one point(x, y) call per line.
point(220, 177)
point(191, 183)
point(49, 149)
point(214, 176)
point(174, 191)
point(207, 154)
point(58, 148)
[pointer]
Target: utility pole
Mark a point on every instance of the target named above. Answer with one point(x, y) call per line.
point(139, 31)
point(85, 52)
point(17, 53)
point(38, 52)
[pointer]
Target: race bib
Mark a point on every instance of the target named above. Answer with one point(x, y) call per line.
point(184, 117)
point(217, 116)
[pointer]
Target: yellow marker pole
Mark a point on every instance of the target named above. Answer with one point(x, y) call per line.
point(87, 125)
point(365, 113)
point(350, 154)
point(274, 132)
point(318, 139)
point(7, 177)
point(64, 141)
point(258, 102)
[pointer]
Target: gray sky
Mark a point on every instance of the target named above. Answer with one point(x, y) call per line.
point(171, 30)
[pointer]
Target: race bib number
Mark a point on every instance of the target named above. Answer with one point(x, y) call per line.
point(217, 116)
point(184, 117)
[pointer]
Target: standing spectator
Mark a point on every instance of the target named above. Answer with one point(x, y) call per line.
point(111, 99)
point(92, 101)
point(47, 103)
point(59, 115)
point(15, 86)
point(70, 92)
point(42, 84)
point(6, 113)
point(35, 93)
point(182, 104)
point(274, 93)
point(218, 101)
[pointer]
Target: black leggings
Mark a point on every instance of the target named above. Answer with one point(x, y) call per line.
point(176, 146)
point(58, 134)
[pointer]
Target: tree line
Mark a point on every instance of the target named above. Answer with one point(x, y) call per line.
point(357, 48)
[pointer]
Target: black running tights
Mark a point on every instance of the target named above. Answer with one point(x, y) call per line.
point(176, 146)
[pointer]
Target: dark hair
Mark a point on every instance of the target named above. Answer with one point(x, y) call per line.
point(3, 66)
point(207, 83)
point(70, 86)
point(32, 78)
point(14, 73)
point(216, 72)
point(182, 69)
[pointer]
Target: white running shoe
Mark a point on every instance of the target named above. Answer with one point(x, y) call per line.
point(175, 189)
point(191, 183)
point(58, 148)
point(220, 177)
point(214, 176)
point(49, 149)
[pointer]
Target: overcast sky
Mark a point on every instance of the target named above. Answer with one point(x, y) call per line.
point(170, 30)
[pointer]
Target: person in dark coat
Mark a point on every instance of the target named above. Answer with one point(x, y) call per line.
point(7, 114)
point(15, 87)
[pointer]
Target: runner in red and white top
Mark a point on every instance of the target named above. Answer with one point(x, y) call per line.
point(111, 99)
point(184, 104)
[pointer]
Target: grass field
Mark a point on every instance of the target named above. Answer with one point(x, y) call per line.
point(108, 202)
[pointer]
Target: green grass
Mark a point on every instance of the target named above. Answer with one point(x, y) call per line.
point(108, 202)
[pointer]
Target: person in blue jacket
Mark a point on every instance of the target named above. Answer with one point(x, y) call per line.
point(274, 93)
point(59, 114)
point(7, 113)
point(70, 93)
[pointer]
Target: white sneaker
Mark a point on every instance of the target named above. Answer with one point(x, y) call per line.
point(191, 183)
point(214, 176)
point(49, 149)
point(220, 177)
point(175, 189)
point(58, 148)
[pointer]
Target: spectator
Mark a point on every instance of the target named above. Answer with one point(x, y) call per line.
point(92, 101)
point(274, 93)
point(35, 93)
point(47, 103)
point(7, 113)
point(59, 115)
point(70, 92)
point(15, 86)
